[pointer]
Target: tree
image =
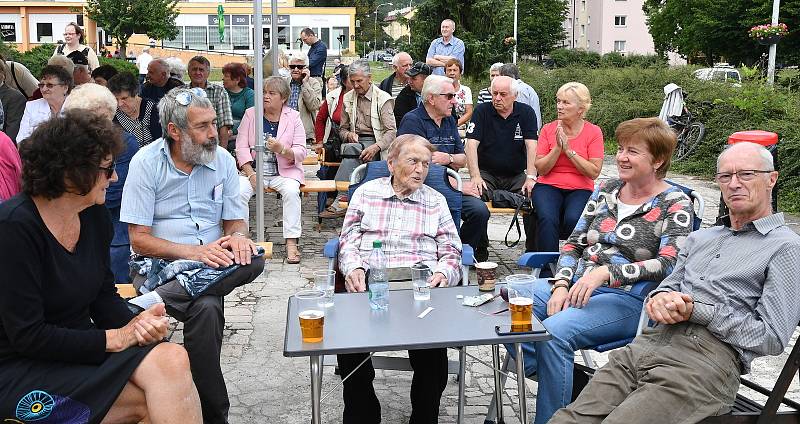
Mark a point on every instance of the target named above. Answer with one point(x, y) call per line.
point(710, 30)
point(123, 18)
point(483, 25)
point(540, 27)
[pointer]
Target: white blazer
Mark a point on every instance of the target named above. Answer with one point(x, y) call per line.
point(36, 112)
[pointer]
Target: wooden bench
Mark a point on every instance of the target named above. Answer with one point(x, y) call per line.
point(127, 291)
point(311, 160)
point(316, 186)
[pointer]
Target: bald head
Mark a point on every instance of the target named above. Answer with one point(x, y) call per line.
point(401, 62)
point(158, 72)
point(762, 158)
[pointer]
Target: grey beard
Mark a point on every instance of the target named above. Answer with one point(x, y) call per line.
point(198, 154)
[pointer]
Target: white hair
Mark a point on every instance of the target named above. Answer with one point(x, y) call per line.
point(360, 66)
point(433, 86)
point(767, 162)
point(452, 23)
point(299, 57)
point(92, 97)
point(175, 67)
point(496, 66)
point(396, 58)
point(513, 87)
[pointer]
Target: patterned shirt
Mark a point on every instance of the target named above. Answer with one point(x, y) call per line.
point(743, 283)
point(294, 98)
point(146, 127)
point(221, 102)
point(413, 229)
point(484, 96)
point(641, 247)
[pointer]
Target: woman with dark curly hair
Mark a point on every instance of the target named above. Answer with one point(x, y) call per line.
point(136, 114)
point(55, 84)
point(70, 349)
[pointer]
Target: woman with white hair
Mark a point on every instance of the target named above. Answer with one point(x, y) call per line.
point(485, 95)
point(569, 158)
point(96, 99)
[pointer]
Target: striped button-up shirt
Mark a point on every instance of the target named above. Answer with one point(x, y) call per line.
point(418, 228)
point(221, 102)
point(743, 283)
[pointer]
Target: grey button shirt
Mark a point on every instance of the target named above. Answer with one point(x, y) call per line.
point(744, 284)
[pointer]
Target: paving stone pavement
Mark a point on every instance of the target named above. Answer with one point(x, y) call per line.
point(265, 386)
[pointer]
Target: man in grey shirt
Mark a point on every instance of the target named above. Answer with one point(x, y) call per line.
point(732, 298)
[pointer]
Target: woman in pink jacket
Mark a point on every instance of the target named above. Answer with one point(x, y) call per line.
point(283, 159)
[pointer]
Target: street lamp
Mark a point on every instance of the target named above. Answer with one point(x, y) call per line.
point(375, 28)
point(516, 40)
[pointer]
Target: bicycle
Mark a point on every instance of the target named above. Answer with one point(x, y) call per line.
point(690, 134)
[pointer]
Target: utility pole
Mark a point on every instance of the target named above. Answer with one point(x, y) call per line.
point(773, 48)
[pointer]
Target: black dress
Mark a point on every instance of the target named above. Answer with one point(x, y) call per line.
point(54, 307)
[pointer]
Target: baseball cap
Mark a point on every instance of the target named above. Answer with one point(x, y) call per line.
point(419, 68)
point(78, 58)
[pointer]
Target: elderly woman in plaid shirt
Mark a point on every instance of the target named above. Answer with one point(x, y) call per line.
point(415, 225)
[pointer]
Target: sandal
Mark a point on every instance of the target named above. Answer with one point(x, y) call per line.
point(292, 254)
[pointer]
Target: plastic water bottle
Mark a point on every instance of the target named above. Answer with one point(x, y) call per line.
point(378, 279)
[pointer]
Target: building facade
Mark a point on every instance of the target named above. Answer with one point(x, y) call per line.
point(30, 23)
point(605, 26)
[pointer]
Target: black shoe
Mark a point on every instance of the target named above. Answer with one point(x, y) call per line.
point(481, 254)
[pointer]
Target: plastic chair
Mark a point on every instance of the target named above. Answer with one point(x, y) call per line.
point(538, 260)
point(437, 179)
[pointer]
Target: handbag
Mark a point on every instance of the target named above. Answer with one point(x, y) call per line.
point(333, 145)
point(520, 203)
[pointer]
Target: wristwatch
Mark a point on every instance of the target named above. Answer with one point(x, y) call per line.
point(531, 177)
point(557, 284)
point(451, 157)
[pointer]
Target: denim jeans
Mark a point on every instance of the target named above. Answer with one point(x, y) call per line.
point(610, 315)
point(557, 212)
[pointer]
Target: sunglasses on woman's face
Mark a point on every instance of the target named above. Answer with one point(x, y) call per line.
point(109, 169)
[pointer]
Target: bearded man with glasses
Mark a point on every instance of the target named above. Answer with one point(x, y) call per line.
point(179, 188)
point(730, 299)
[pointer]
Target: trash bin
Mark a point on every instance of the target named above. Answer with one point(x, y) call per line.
point(766, 139)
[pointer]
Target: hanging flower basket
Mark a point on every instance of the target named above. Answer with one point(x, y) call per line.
point(768, 33)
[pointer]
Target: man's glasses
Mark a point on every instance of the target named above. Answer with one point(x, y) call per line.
point(297, 66)
point(48, 85)
point(185, 97)
point(743, 175)
point(448, 95)
point(109, 169)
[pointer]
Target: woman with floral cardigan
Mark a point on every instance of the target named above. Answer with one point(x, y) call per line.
point(629, 234)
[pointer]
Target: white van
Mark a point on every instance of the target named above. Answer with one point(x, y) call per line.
point(720, 73)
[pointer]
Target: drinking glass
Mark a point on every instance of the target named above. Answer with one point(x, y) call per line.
point(324, 280)
point(420, 275)
point(310, 314)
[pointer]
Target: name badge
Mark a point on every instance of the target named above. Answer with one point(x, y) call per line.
point(218, 193)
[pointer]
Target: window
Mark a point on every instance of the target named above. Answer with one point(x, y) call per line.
point(620, 21)
point(297, 43)
point(283, 38)
point(177, 42)
point(213, 38)
point(240, 37)
point(340, 43)
point(325, 36)
point(583, 30)
point(619, 46)
point(196, 37)
point(44, 33)
point(583, 5)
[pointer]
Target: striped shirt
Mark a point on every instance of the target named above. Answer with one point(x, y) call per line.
point(221, 102)
point(484, 96)
point(418, 228)
point(743, 283)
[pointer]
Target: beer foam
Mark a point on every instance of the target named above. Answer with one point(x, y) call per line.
point(521, 301)
point(312, 314)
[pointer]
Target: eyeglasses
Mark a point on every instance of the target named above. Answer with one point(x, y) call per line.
point(185, 97)
point(448, 95)
point(743, 175)
point(297, 66)
point(70, 33)
point(48, 85)
point(109, 170)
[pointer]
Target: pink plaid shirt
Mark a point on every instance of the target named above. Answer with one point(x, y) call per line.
point(418, 228)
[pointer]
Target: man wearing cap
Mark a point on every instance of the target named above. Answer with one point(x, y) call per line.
point(80, 73)
point(410, 96)
point(395, 82)
point(434, 121)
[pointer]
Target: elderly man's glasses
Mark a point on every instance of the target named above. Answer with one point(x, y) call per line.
point(743, 175)
point(297, 66)
point(185, 97)
point(109, 169)
point(448, 95)
point(48, 85)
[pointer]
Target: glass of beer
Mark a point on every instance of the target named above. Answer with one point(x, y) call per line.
point(521, 308)
point(311, 315)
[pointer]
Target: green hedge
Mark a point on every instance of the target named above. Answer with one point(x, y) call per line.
point(619, 94)
point(120, 64)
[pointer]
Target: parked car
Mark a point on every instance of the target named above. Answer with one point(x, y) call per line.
point(720, 73)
